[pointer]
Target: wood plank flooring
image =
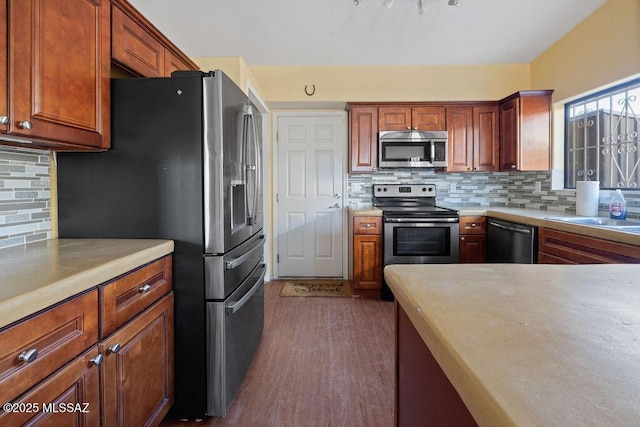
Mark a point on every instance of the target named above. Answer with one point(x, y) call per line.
point(321, 362)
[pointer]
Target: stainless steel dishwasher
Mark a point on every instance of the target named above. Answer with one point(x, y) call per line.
point(510, 242)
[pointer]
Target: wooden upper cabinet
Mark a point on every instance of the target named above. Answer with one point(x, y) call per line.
point(137, 46)
point(473, 138)
point(133, 47)
point(58, 72)
point(428, 118)
point(525, 131)
point(363, 139)
point(486, 138)
point(406, 118)
point(394, 118)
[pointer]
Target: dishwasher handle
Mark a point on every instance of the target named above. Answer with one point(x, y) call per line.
point(510, 228)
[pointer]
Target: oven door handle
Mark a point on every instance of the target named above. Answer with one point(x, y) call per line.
point(422, 220)
point(232, 308)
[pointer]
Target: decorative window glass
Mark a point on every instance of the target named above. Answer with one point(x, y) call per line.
point(601, 138)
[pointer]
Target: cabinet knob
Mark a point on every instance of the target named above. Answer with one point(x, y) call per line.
point(97, 360)
point(367, 225)
point(468, 168)
point(513, 166)
point(28, 356)
point(462, 238)
point(144, 289)
point(4, 120)
point(473, 224)
point(26, 124)
point(114, 348)
point(408, 127)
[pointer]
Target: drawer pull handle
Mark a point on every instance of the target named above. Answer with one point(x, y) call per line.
point(28, 356)
point(473, 224)
point(97, 360)
point(114, 348)
point(26, 125)
point(145, 288)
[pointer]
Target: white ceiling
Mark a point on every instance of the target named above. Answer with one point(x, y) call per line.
point(336, 32)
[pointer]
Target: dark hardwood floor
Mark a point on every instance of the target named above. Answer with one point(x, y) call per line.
point(321, 362)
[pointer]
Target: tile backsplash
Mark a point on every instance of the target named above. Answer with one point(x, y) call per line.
point(481, 190)
point(25, 196)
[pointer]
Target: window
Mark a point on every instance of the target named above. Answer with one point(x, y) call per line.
point(601, 138)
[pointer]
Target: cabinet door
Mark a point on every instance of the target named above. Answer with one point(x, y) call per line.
point(509, 135)
point(137, 372)
point(363, 139)
point(460, 143)
point(59, 71)
point(70, 397)
point(134, 48)
point(428, 118)
point(485, 138)
point(473, 248)
point(367, 262)
point(4, 115)
point(394, 118)
point(173, 63)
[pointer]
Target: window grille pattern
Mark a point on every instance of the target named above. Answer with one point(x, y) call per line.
point(601, 138)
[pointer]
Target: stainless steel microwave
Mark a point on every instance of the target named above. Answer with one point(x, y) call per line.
point(412, 149)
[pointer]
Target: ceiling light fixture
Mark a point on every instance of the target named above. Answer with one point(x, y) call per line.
point(421, 4)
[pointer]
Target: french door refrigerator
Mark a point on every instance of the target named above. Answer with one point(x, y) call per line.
point(185, 165)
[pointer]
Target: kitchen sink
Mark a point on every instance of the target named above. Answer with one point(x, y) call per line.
point(618, 224)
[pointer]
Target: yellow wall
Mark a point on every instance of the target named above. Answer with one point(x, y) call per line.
point(602, 49)
point(391, 83)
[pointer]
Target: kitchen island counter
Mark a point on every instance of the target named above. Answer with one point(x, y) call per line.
point(37, 275)
point(531, 344)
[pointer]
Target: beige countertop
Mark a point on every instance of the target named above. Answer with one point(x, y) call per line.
point(37, 275)
point(531, 344)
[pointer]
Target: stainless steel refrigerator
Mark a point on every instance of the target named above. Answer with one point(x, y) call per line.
point(185, 165)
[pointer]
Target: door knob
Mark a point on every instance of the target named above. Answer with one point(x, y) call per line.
point(336, 196)
point(336, 206)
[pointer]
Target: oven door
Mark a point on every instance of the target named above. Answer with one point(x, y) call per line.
point(421, 240)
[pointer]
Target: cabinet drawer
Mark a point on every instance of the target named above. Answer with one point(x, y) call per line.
point(578, 249)
point(75, 386)
point(57, 335)
point(127, 296)
point(367, 225)
point(473, 225)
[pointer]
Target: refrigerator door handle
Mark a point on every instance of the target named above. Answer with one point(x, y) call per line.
point(232, 308)
point(234, 262)
point(258, 177)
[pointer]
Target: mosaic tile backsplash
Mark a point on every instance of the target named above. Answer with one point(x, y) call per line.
point(481, 190)
point(25, 196)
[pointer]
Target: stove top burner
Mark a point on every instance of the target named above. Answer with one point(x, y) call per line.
point(409, 200)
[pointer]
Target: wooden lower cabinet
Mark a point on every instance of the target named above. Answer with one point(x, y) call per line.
point(560, 247)
point(137, 372)
point(70, 397)
point(367, 256)
point(81, 371)
point(473, 239)
point(424, 395)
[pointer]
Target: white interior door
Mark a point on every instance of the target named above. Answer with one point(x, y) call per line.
point(310, 207)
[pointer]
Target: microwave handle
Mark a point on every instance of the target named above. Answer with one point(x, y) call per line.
point(433, 152)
